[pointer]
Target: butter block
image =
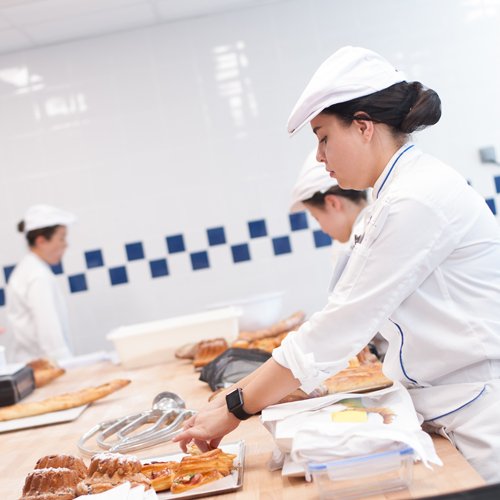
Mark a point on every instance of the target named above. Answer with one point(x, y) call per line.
point(350, 416)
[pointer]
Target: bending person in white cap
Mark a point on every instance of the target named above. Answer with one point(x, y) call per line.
point(340, 212)
point(36, 309)
point(425, 273)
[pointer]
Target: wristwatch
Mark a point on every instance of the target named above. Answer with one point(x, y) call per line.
point(234, 401)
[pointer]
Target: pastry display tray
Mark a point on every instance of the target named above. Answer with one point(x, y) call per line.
point(229, 483)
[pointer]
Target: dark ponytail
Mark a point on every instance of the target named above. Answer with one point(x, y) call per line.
point(20, 226)
point(405, 107)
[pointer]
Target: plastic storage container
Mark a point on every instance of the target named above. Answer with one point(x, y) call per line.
point(149, 343)
point(357, 477)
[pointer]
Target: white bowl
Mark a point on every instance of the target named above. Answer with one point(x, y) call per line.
point(258, 311)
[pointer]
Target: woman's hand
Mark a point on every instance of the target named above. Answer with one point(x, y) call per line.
point(207, 428)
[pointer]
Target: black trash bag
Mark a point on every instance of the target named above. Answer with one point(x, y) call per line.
point(231, 366)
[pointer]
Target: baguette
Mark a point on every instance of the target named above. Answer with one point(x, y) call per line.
point(282, 326)
point(61, 402)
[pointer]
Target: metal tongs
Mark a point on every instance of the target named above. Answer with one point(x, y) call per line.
point(117, 435)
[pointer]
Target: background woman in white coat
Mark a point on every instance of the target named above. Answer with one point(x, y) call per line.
point(338, 211)
point(425, 273)
point(341, 213)
point(36, 309)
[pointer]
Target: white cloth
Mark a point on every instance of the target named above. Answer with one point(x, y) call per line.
point(36, 312)
point(41, 216)
point(349, 73)
point(308, 431)
point(427, 276)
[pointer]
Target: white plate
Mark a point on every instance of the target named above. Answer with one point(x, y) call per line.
point(55, 417)
point(229, 483)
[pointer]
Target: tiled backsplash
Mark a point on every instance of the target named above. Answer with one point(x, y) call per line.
point(170, 145)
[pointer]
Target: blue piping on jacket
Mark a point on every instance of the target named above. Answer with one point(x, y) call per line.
point(459, 408)
point(401, 350)
point(392, 167)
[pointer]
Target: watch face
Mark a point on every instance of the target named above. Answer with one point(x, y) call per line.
point(234, 399)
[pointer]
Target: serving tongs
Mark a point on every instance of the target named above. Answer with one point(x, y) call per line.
point(117, 435)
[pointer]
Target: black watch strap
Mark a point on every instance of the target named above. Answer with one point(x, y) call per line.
point(234, 401)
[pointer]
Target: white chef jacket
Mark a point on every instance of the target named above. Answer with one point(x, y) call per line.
point(426, 274)
point(36, 312)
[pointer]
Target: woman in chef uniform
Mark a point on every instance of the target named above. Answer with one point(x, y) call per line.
point(36, 309)
point(425, 272)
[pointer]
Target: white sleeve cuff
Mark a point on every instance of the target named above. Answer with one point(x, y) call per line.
point(304, 366)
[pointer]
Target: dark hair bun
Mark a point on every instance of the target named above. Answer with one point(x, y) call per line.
point(20, 226)
point(424, 110)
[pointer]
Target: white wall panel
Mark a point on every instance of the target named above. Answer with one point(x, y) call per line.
point(179, 128)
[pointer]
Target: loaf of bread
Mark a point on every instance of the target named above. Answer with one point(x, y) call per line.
point(208, 350)
point(64, 462)
point(285, 325)
point(107, 470)
point(45, 371)
point(358, 379)
point(50, 484)
point(61, 402)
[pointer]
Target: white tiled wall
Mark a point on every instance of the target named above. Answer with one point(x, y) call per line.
point(181, 127)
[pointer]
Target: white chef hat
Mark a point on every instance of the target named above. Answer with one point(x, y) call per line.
point(40, 216)
point(349, 73)
point(313, 178)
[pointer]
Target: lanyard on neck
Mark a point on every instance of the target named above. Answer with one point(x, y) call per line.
point(392, 167)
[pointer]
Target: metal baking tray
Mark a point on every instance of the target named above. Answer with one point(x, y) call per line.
point(227, 484)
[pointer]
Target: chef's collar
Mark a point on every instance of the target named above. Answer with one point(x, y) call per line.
point(388, 172)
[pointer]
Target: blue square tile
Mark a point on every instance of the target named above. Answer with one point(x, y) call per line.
point(94, 259)
point(2, 297)
point(158, 268)
point(492, 204)
point(57, 268)
point(298, 221)
point(118, 275)
point(175, 243)
point(77, 283)
point(7, 271)
point(321, 239)
point(257, 228)
point(282, 245)
point(135, 251)
point(497, 183)
point(241, 253)
point(199, 260)
point(216, 236)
